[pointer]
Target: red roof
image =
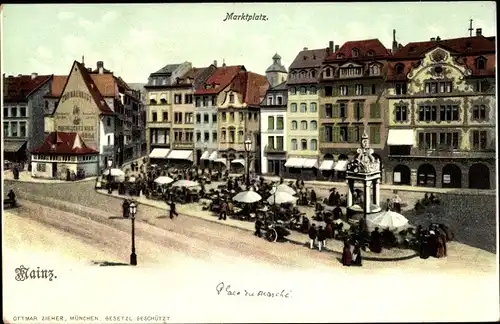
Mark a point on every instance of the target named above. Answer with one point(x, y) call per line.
point(64, 143)
point(251, 86)
point(104, 82)
point(222, 77)
point(17, 89)
point(364, 47)
point(391, 73)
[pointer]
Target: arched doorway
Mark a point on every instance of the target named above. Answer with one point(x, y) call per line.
point(426, 176)
point(479, 176)
point(452, 176)
point(401, 175)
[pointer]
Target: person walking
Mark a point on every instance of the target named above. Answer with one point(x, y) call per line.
point(173, 210)
point(321, 238)
point(346, 254)
point(223, 211)
point(258, 227)
point(313, 233)
point(356, 255)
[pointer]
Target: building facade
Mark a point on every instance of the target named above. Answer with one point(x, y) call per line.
point(208, 97)
point(273, 120)
point(23, 123)
point(442, 113)
point(302, 113)
point(352, 101)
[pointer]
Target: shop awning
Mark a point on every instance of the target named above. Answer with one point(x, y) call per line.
point(327, 165)
point(310, 163)
point(213, 156)
point(240, 161)
point(205, 155)
point(400, 137)
point(341, 165)
point(159, 153)
point(181, 155)
point(295, 162)
point(12, 146)
point(221, 160)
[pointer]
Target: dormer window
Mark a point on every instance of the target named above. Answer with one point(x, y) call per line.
point(231, 98)
point(480, 63)
point(370, 53)
point(328, 72)
point(468, 46)
point(340, 56)
point(303, 74)
point(374, 70)
point(304, 58)
point(355, 52)
point(313, 74)
point(411, 49)
point(399, 68)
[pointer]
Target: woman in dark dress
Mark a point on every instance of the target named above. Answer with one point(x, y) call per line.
point(346, 254)
point(357, 255)
point(375, 241)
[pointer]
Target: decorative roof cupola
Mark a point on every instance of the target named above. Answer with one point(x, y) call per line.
point(276, 73)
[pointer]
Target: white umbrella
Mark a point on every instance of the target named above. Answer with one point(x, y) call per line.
point(185, 183)
point(114, 172)
point(281, 197)
point(163, 180)
point(388, 219)
point(283, 188)
point(247, 197)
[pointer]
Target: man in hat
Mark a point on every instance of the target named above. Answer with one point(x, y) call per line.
point(313, 234)
point(321, 238)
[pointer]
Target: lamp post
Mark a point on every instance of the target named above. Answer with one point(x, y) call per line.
point(133, 211)
point(248, 147)
point(275, 187)
point(109, 177)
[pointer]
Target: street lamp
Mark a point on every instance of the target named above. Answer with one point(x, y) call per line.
point(275, 187)
point(109, 177)
point(248, 147)
point(133, 210)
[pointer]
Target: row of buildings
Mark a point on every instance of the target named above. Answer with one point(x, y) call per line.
point(52, 122)
point(428, 108)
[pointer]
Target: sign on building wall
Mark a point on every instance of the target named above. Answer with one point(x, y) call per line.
point(397, 176)
point(446, 178)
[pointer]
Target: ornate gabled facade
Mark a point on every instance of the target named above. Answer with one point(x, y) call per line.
point(442, 113)
point(302, 113)
point(352, 101)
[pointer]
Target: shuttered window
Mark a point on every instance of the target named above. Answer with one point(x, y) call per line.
point(375, 134)
point(336, 111)
point(375, 110)
point(336, 134)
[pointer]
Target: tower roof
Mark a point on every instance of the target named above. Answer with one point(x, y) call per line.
point(276, 66)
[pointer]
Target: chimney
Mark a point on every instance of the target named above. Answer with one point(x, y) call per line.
point(305, 49)
point(100, 67)
point(330, 46)
point(33, 75)
point(215, 63)
point(438, 39)
point(394, 42)
point(400, 46)
point(433, 39)
point(223, 63)
point(337, 47)
point(479, 32)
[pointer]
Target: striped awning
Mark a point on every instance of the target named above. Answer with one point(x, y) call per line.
point(159, 153)
point(310, 163)
point(341, 165)
point(327, 165)
point(295, 162)
point(205, 155)
point(181, 155)
point(213, 156)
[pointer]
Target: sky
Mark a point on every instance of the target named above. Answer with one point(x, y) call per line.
point(134, 40)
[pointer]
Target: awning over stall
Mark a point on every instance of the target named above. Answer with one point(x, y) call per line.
point(327, 165)
point(341, 165)
point(12, 146)
point(295, 162)
point(181, 155)
point(205, 155)
point(213, 156)
point(240, 161)
point(221, 160)
point(400, 137)
point(159, 153)
point(310, 163)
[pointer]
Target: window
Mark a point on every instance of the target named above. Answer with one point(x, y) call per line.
point(328, 91)
point(328, 135)
point(109, 139)
point(279, 100)
point(214, 118)
point(198, 118)
point(303, 144)
point(5, 112)
point(313, 107)
point(314, 125)
point(240, 136)
point(197, 102)
point(375, 134)
point(294, 124)
point(303, 125)
point(22, 111)
point(165, 116)
point(448, 113)
point(22, 129)
point(293, 91)
point(224, 116)
point(343, 110)
point(374, 89)
point(343, 90)
point(188, 118)
point(231, 98)
point(314, 145)
point(294, 144)
point(178, 118)
point(355, 52)
point(223, 136)
point(188, 98)
point(241, 117)
point(448, 141)
point(40, 167)
point(177, 99)
point(13, 111)
point(313, 90)
point(481, 63)
point(374, 70)
point(214, 137)
point(482, 85)
point(108, 121)
point(279, 142)
point(206, 118)
point(6, 129)
point(427, 141)
point(303, 108)
point(231, 116)
point(270, 123)
point(359, 89)
point(401, 113)
point(399, 68)
point(479, 139)
point(479, 112)
point(343, 134)
point(279, 123)
point(154, 116)
point(313, 74)
point(269, 101)
point(303, 90)
point(198, 137)
point(427, 113)
point(293, 107)
point(328, 72)
point(328, 110)
point(206, 137)
point(270, 142)
point(438, 87)
point(359, 110)
point(401, 88)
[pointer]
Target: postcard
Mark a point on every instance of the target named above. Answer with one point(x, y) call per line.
point(242, 162)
